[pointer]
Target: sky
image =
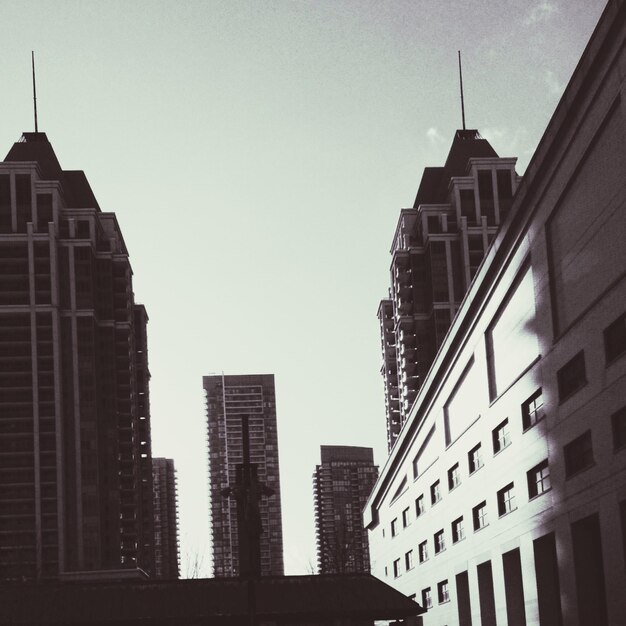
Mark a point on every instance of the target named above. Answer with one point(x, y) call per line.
point(257, 155)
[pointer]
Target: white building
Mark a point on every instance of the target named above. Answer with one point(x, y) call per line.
point(504, 498)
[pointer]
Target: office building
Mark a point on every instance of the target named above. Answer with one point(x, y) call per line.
point(436, 250)
point(75, 460)
point(504, 498)
point(165, 506)
point(341, 485)
point(229, 399)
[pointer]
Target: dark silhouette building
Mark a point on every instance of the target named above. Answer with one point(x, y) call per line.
point(229, 399)
point(75, 459)
point(436, 250)
point(341, 486)
point(166, 547)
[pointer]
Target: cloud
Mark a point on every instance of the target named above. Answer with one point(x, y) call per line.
point(541, 12)
point(435, 137)
point(506, 141)
point(554, 86)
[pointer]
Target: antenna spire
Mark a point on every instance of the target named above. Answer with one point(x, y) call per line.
point(461, 82)
point(32, 56)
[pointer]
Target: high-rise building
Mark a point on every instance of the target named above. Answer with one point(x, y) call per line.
point(436, 250)
point(503, 500)
point(229, 399)
point(166, 547)
point(341, 485)
point(75, 457)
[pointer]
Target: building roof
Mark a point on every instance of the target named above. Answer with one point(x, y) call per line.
point(346, 453)
point(223, 600)
point(35, 147)
point(467, 144)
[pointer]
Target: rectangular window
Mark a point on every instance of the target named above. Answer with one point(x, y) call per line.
point(511, 340)
point(532, 410)
point(408, 560)
point(465, 403)
point(405, 518)
point(458, 531)
point(479, 515)
point(538, 479)
point(618, 422)
point(506, 500)
point(420, 507)
point(615, 339)
point(426, 455)
point(422, 551)
point(501, 436)
point(572, 376)
point(578, 454)
point(435, 493)
point(396, 568)
point(454, 477)
point(440, 542)
point(475, 459)
point(443, 592)
point(427, 600)
point(394, 527)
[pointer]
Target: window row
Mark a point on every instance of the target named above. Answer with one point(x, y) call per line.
point(578, 456)
point(538, 482)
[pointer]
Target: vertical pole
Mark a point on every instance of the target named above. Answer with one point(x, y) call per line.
point(32, 57)
point(461, 81)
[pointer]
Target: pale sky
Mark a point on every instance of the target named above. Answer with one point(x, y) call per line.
point(257, 155)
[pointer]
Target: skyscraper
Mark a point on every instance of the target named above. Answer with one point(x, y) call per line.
point(436, 250)
point(341, 486)
point(165, 519)
point(229, 398)
point(75, 462)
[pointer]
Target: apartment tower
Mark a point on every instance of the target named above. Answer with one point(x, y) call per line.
point(75, 459)
point(166, 547)
point(229, 399)
point(437, 248)
point(341, 485)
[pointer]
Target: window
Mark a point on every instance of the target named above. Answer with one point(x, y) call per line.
point(479, 515)
point(408, 560)
point(578, 454)
point(396, 568)
point(443, 592)
point(538, 479)
point(475, 459)
point(618, 421)
point(422, 551)
point(454, 477)
point(572, 377)
point(394, 527)
point(426, 455)
point(506, 500)
point(615, 339)
point(386, 571)
point(532, 410)
point(420, 507)
point(405, 518)
point(440, 542)
point(501, 436)
point(435, 493)
point(458, 532)
point(427, 600)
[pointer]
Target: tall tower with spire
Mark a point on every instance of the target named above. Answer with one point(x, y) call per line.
point(436, 249)
point(75, 457)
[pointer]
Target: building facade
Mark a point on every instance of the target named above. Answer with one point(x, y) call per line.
point(75, 459)
point(229, 398)
point(437, 249)
point(504, 498)
point(165, 507)
point(341, 485)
